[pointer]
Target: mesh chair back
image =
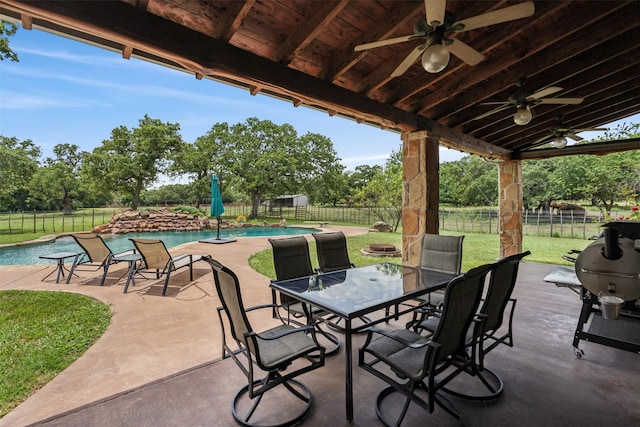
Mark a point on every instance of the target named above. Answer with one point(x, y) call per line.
point(503, 280)
point(93, 245)
point(332, 251)
point(228, 288)
point(441, 253)
point(461, 301)
point(153, 252)
point(291, 257)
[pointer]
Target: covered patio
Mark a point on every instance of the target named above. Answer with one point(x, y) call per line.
point(571, 64)
point(303, 53)
point(153, 367)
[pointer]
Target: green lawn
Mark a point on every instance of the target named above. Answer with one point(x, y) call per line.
point(477, 249)
point(41, 333)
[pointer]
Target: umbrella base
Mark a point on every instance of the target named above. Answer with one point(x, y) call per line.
point(216, 240)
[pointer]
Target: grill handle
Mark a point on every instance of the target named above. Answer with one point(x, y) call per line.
point(608, 273)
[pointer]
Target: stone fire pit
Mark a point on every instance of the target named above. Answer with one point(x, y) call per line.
point(381, 250)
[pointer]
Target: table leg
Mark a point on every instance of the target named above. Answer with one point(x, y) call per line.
point(60, 269)
point(133, 267)
point(348, 369)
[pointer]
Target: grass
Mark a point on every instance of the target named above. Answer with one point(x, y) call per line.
point(478, 249)
point(41, 333)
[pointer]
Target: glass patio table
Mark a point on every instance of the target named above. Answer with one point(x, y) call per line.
point(356, 292)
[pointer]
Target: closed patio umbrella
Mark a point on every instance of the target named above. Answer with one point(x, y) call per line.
point(217, 209)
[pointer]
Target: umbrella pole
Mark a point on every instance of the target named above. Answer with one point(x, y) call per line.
point(218, 234)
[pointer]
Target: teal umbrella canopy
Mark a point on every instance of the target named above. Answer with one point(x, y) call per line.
point(217, 208)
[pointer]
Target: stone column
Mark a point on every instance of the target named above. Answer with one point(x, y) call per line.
point(420, 191)
point(510, 194)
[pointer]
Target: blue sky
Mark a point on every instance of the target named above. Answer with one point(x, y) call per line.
point(64, 91)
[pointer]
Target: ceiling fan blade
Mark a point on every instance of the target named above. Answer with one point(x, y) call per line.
point(495, 103)
point(544, 138)
point(590, 130)
point(495, 110)
point(408, 61)
point(573, 136)
point(465, 52)
point(544, 92)
point(435, 11)
point(571, 101)
point(387, 42)
point(510, 13)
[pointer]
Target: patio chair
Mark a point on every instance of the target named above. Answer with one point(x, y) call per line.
point(272, 351)
point(291, 260)
point(331, 249)
point(333, 255)
point(441, 253)
point(410, 362)
point(498, 296)
point(156, 258)
point(96, 254)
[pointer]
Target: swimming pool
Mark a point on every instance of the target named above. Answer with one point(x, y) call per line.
point(29, 254)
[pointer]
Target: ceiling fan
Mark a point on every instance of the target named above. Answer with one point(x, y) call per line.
point(524, 101)
point(436, 27)
point(558, 134)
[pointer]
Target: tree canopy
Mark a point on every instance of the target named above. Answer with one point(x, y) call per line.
point(133, 159)
point(7, 29)
point(267, 160)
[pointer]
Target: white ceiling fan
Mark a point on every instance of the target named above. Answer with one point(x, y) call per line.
point(436, 29)
point(558, 134)
point(524, 101)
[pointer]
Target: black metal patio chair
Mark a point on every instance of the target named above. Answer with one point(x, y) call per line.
point(291, 260)
point(272, 351)
point(410, 362)
point(492, 333)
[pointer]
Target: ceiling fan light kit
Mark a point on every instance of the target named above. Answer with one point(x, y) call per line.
point(522, 116)
point(559, 142)
point(435, 29)
point(435, 58)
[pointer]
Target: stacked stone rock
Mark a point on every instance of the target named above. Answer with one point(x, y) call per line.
point(150, 221)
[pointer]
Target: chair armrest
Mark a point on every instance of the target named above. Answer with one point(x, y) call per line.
point(127, 252)
point(180, 261)
point(401, 340)
point(303, 329)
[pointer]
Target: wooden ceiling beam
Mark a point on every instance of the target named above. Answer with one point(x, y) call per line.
point(308, 30)
point(236, 12)
point(602, 95)
point(534, 66)
point(406, 96)
point(596, 148)
point(588, 63)
point(398, 17)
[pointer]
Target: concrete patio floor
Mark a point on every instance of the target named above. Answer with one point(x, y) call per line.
point(158, 363)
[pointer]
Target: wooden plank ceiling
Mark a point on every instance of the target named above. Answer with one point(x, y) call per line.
point(303, 52)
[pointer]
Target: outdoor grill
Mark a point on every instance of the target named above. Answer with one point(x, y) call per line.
point(609, 271)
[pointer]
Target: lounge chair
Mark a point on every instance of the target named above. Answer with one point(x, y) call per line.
point(96, 254)
point(157, 258)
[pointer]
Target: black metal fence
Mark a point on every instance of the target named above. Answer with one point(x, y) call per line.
point(54, 221)
point(573, 224)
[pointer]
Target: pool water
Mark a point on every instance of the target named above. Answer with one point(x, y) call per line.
point(29, 254)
